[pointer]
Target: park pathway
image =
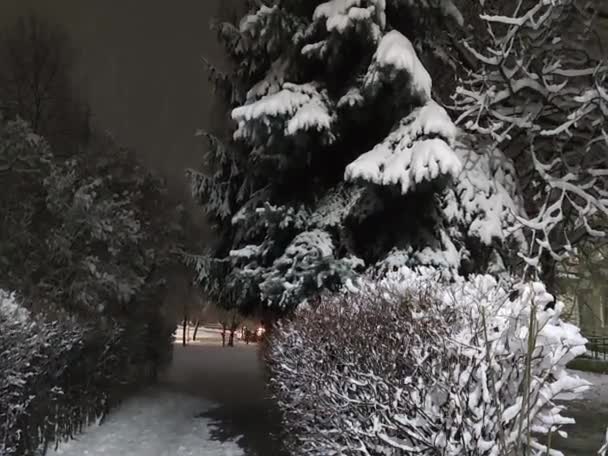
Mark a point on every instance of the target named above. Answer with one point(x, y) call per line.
point(211, 402)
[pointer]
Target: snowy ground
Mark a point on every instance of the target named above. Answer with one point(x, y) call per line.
point(591, 414)
point(212, 402)
point(598, 392)
point(156, 423)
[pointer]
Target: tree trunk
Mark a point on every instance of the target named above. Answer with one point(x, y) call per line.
point(198, 323)
point(184, 338)
point(549, 276)
point(234, 324)
point(223, 334)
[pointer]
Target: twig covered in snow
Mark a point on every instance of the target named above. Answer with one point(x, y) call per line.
point(542, 97)
point(409, 367)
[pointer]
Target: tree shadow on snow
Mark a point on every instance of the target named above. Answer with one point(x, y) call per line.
point(255, 427)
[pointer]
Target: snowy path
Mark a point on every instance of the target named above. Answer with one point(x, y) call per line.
point(211, 402)
point(591, 415)
point(156, 423)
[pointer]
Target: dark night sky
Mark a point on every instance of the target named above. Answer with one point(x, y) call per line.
point(138, 64)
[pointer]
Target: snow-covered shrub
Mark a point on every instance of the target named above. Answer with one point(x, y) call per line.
point(59, 375)
point(29, 355)
point(412, 367)
point(84, 242)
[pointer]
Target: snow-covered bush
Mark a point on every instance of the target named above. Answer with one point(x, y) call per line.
point(29, 355)
point(59, 375)
point(410, 366)
point(91, 235)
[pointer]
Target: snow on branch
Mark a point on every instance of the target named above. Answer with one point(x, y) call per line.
point(334, 20)
point(418, 150)
point(484, 198)
point(410, 366)
point(340, 15)
point(539, 91)
point(396, 54)
point(296, 108)
point(272, 81)
point(308, 264)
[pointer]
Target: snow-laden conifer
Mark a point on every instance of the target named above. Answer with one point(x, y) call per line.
point(341, 160)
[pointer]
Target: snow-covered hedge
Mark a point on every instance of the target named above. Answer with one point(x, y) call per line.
point(58, 376)
point(412, 367)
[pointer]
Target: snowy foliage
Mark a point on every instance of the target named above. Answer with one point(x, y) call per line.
point(87, 233)
point(308, 265)
point(412, 367)
point(337, 132)
point(417, 150)
point(306, 107)
point(485, 197)
point(24, 161)
point(60, 375)
point(396, 55)
point(83, 242)
point(540, 95)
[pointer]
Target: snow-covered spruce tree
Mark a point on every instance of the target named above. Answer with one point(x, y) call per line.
point(538, 89)
point(340, 159)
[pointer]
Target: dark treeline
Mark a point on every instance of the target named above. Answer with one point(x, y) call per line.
point(87, 239)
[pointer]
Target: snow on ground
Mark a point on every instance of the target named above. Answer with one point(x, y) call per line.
point(591, 414)
point(205, 336)
point(212, 401)
point(598, 391)
point(155, 423)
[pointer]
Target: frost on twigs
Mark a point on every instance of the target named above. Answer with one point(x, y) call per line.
point(410, 367)
point(543, 98)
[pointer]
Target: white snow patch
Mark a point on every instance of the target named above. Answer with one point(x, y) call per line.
point(339, 15)
point(302, 107)
point(418, 149)
point(396, 51)
point(153, 424)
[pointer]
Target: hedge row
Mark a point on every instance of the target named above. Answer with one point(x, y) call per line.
point(413, 366)
point(56, 377)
